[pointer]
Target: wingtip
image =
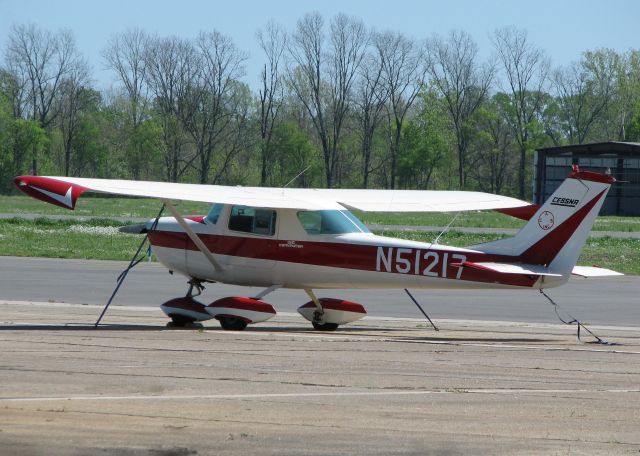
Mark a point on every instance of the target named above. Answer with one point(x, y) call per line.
point(50, 190)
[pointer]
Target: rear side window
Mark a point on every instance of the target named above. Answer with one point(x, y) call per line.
point(253, 220)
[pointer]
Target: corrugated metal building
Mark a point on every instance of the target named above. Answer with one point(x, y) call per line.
point(620, 159)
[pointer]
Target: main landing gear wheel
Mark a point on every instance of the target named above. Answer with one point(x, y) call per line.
point(324, 326)
point(186, 312)
point(180, 321)
point(232, 323)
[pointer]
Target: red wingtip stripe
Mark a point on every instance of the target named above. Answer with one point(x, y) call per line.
point(52, 191)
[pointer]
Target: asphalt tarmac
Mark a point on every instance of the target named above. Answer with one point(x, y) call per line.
point(500, 377)
point(603, 301)
point(377, 387)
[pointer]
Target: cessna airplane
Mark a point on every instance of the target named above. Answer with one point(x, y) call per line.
point(308, 239)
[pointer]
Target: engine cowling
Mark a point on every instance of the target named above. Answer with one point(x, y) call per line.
point(336, 311)
point(185, 309)
point(248, 310)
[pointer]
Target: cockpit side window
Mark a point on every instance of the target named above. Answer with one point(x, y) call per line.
point(214, 213)
point(330, 222)
point(253, 220)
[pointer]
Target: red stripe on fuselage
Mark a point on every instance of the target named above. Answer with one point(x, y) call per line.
point(434, 263)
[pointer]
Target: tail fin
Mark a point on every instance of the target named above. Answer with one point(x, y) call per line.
point(555, 235)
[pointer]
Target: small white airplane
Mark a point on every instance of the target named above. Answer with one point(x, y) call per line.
point(308, 239)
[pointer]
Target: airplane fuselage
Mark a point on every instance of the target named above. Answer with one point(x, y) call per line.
point(287, 255)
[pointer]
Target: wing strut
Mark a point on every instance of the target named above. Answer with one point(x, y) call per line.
point(192, 235)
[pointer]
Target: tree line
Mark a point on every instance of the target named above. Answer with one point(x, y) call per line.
point(338, 105)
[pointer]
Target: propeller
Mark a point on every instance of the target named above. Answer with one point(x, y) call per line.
point(140, 228)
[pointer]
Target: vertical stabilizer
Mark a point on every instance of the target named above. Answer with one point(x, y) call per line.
point(555, 235)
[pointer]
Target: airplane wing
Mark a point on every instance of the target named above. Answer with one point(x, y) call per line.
point(64, 192)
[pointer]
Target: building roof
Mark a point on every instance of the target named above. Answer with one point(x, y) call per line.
point(601, 148)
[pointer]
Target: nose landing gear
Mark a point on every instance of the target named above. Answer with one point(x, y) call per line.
point(326, 314)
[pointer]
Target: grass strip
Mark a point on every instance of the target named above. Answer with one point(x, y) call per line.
point(99, 239)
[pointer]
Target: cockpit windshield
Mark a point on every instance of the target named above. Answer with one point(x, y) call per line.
point(214, 213)
point(330, 222)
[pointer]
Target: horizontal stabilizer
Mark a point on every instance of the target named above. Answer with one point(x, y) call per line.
point(593, 271)
point(510, 268)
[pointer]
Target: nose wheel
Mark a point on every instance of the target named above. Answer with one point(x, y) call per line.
point(324, 326)
point(326, 314)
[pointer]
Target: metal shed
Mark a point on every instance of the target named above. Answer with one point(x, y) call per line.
point(620, 159)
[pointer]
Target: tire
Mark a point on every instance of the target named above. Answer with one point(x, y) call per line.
point(180, 321)
point(324, 326)
point(232, 324)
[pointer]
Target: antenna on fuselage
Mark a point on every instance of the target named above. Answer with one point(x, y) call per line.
point(297, 176)
point(445, 229)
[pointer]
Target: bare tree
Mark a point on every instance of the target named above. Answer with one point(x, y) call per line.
point(526, 69)
point(273, 42)
point(125, 54)
point(628, 90)
point(583, 96)
point(168, 72)
point(371, 100)
point(13, 86)
point(72, 102)
point(323, 81)
point(212, 103)
point(232, 156)
point(402, 76)
point(455, 72)
point(40, 61)
point(622, 73)
point(493, 142)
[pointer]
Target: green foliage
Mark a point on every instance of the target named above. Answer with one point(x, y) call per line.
point(166, 131)
point(20, 142)
point(293, 152)
point(425, 144)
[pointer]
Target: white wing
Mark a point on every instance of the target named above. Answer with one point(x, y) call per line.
point(64, 192)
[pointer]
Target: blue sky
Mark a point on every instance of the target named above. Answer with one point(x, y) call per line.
point(563, 28)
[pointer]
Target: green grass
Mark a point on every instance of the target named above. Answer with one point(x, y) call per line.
point(99, 239)
point(148, 208)
point(97, 207)
point(489, 219)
